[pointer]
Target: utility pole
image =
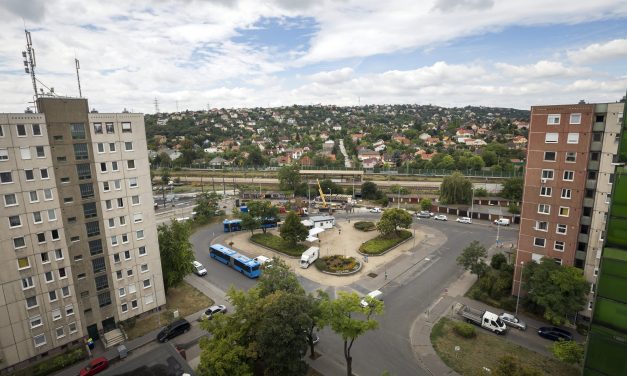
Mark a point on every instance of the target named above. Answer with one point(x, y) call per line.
point(78, 78)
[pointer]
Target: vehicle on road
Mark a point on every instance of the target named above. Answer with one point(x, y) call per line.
point(95, 366)
point(212, 311)
point(502, 222)
point(424, 214)
point(309, 256)
point(555, 334)
point(376, 294)
point(485, 319)
point(263, 261)
point(375, 210)
point(199, 270)
point(231, 225)
point(176, 328)
point(440, 217)
point(464, 220)
point(249, 267)
point(513, 321)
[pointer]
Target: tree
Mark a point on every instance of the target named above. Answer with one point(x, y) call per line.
point(279, 277)
point(425, 203)
point(392, 219)
point(513, 188)
point(261, 210)
point(510, 366)
point(318, 311)
point(369, 191)
point(345, 315)
point(329, 186)
point(255, 158)
point(489, 157)
point(472, 258)
point(560, 290)
point(207, 206)
point(498, 260)
point(292, 230)
point(176, 252)
point(289, 177)
point(481, 192)
point(249, 222)
point(568, 351)
point(165, 180)
point(455, 189)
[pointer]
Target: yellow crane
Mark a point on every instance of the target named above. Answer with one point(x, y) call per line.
point(324, 201)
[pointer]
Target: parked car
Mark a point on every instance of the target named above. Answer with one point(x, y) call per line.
point(176, 328)
point(375, 210)
point(212, 311)
point(554, 333)
point(464, 220)
point(502, 222)
point(513, 321)
point(95, 366)
point(424, 214)
point(199, 269)
point(440, 217)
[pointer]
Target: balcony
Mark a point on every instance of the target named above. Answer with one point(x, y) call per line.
point(596, 146)
point(585, 220)
point(593, 165)
point(598, 127)
point(588, 202)
point(583, 238)
point(591, 184)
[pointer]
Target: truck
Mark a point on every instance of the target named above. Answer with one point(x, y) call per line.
point(485, 319)
point(309, 256)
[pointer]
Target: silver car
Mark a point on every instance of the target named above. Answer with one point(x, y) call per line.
point(513, 321)
point(212, 311)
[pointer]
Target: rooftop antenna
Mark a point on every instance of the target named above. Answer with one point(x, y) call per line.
point(30, 63)
point(78, 77)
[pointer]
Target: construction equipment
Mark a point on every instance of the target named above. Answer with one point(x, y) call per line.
point(324, 206)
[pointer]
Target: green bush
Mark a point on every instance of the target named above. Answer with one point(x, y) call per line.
point(336, 263)
point(52, 365)
point(381, 244)
point(365, 226)
point(464, 330)
point(278, 244)
point(321, 265)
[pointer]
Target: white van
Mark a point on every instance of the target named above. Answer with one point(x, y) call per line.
point(376, 294)
point(501, 222)
point(199, 269)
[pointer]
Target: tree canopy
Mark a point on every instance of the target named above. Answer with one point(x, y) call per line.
point(289, 177)
point(455, 189)
point(176, 252)
point(393, 219)
point(292, 230)
point(207, 206)
point(472, 258)
point(369, 191)
point(513, 188)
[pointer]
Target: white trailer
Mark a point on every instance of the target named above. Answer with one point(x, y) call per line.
point(309, 256)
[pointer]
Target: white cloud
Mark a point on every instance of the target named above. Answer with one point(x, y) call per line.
point(599, 52)
point(332, 77)
point(541, 69)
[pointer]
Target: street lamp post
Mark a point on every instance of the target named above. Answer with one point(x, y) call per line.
point(522, 264)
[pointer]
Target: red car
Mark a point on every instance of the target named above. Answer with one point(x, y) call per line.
point(95, 366)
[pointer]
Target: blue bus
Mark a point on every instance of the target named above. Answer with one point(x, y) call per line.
point(241, 263)
point(231, 225)
point(269, 222)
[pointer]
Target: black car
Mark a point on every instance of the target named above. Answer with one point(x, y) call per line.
point(555, 334)
point(176, 328)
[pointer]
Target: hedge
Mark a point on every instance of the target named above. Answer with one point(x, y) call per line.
point(464, 330)
point(382, 243)
point(52, 365)
point(365, 226)
point(278, 244)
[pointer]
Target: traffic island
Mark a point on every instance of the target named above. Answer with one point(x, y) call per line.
point(384, 243)
point(338, 265)
point(278, 244)
point(365, 226)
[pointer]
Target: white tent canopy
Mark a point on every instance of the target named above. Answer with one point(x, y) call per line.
point(315, 231)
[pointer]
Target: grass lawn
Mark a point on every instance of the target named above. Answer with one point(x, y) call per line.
point(278, 244)
point(381, 244)
point(484, 351)
point(184, 297)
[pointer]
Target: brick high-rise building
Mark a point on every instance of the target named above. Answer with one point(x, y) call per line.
point(78, 240)
point(568, 184)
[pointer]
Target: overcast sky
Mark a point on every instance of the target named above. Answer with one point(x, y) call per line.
point(243, 53)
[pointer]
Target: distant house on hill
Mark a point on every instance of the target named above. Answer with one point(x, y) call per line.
point(364, 154)
point(370, 162)
point(218, 162)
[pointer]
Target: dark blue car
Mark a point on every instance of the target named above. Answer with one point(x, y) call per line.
point(555, 334)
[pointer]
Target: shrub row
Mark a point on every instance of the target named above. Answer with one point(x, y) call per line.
point(365, 226)
point(381, 243)
point(464, 330)
point(52, 365)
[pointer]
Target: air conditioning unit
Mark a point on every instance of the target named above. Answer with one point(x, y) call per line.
point(543, 180)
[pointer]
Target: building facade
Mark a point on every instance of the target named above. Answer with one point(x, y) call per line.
point(568, 183)
point(78, 234)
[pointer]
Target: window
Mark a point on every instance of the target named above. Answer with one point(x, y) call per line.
point(29, 174)
point(114, 166)
point(124, 238)
point(566, 193)
point(65, 291)
point(109, 127)
point(39, 340)
point(553, 119)
point(592, 175)
point(97, 127)
point(142, 251)
point(49, 276)
point(59, 332)
point(47, 194)
point(100, 147)
point(124, 307)
point(21, 130)
point(105, 186)
point(44, 173)
point(31, 302)
point(117, 184)
point(63, 159)
point(547, 174)
point(140, 234)
point(104, 299)
point(594, 156)
point(608, 198)
point(75, 239)
point(132, 182)
point(569, 175)
point(146, 283)
point(10, 199)
point(1, 131)
point(131, 287)
point(539, 242)
point(546, 191)
point(559, 246)
point(37, 217)
point(114, 240)
point(137, 217)
point(564, 211)
point(127, 255)
point(65, 179)
point(597, 136)
point(72, 327)
point(551, 138)
point(120, 202)
point(122, 291)
point(41, 153)
point(4, 155)
point(143, 268)
point(87, 191)
point(118, 274)
point(129, 273)
point(134, 304)
point(25, 153)
point(128, 146)
point(544, 209)
point(95, 247)
point(90, 210)
point(101, 282)
point(111, 147)
point(55, 234)
point(108, 204)
point(149, 299)
point(35, 322)
point(550, 156)
point(126, 127)
point(98, 265)
point(116, 258)
point(130, 164)
point(103, 167)
point(92, 228)
point(41, 237)
point(27, 283)
point(561, 229)
point(111, 222)
point(19, 242)
point(6, 177)
point(58, 138)
point(575, 119)
point(56, 314)
point(571, 157)
point(52, 296)
point(135, 200)
point(573, 138)
point(122, 220)
point(14, 221)
point(78, 131)
point(36, 130)
point(81, 152)
point(45, 259)
point(52, 215)
point(610, 179)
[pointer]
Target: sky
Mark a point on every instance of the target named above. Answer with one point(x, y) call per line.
point(199, 54)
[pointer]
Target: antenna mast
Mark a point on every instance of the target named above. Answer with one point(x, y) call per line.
point(156, 106)
point(78, 78)
point(30, 63)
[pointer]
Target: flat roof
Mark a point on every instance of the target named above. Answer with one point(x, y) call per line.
point(319, 218)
